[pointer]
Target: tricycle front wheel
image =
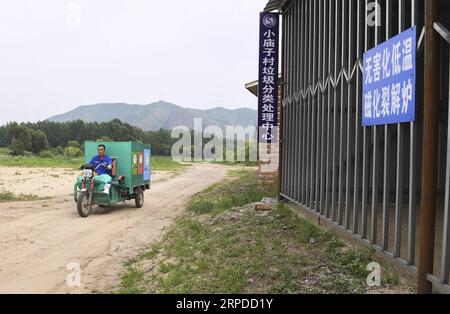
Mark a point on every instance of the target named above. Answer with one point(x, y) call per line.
point(83, 206)
point(139, 199)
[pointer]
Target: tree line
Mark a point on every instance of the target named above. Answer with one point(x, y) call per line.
point(49, 138)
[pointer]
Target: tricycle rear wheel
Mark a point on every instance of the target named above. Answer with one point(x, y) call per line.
point(139, 199)
point(84, 209)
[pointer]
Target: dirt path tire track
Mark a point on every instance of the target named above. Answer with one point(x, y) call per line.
point(39, 239)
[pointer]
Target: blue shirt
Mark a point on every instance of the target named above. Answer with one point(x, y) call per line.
point(104, 162)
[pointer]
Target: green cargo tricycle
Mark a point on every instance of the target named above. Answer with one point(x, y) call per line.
point(130, 176)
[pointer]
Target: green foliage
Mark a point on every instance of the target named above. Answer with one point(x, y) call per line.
point(17, 147)
point(228, 194)
point(73, 152)
point(3, 137)
point(104, 139)
point(7, 196)
point(51, 158)
point(160, 141)
point(60, 135)
point(59, 151)
point(241, 250)
point(39, 141)
point(353, 261)
point(165, 163)
point(220, 248)
point(74, 144)
point(4, 151)
point(46, 154)
point(19, 138)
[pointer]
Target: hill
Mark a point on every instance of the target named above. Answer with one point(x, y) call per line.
point(158, 115)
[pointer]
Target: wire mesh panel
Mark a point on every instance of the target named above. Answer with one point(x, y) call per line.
point(364, 179)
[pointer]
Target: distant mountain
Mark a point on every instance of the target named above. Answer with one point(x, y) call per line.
point(159, 115)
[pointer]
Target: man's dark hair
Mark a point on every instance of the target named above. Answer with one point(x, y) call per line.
point(102, 145)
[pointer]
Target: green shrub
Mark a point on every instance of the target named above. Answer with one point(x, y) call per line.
point(73, 152)
point(46, 154)
point(6, 196)
point(59, 151)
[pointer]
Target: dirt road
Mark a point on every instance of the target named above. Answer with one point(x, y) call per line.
point(39, 239)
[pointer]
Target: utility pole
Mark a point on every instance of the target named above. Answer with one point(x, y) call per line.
point(430, 148)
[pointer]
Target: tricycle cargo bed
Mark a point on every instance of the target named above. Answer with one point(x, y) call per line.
point(131, 162)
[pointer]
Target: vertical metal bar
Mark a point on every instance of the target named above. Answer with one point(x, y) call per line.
point(400, 154)
point(365, 183)
point(294, 140)
point(324, 130)
point(329, 90)
point(357, 175)
point(308, 130)
point(291, 93)
point(282, 155)
point(350, 136)
point(374, 228)
point(296, 144)
point(291, 106)
point(430, 148)
point(285, 117)
point(318, 10)
point(445, 262)
point(304, 102)
point(296, 104)
point(298, 90)
point(311, 107)
point(293, 103)
point(412, 174)
point(342, 110)
point(336, 75)
point(288, 107)
point(299, 143)
point(303, 107)
point(386, 168)
point(288, 144)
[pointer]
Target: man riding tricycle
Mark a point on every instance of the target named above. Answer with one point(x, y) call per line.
point(113, 172)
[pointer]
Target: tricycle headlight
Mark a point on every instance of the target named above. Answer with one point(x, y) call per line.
point(87, 173)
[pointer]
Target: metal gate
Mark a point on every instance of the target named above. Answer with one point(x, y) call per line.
point(366, 180)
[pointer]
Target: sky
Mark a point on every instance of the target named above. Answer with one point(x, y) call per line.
point(56, 55)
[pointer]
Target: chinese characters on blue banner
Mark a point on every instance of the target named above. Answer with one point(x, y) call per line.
point(389, 81)
point(268, 77)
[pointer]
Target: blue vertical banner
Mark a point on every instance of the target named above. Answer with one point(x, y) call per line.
point(147, 167)
point(268, 77)
point(389, 81)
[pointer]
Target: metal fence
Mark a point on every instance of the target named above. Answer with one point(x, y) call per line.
point(366, 180)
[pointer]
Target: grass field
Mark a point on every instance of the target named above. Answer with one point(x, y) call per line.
point(7, 196)
point(4, 151)
point(224, 246)
point(166, 163)
point(159, 163)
